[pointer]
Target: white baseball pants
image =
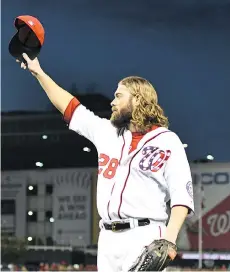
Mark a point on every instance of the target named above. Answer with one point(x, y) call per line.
point(117, 251)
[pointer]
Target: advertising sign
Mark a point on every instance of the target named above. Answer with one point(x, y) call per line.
point(72, 207)
point(212, 204)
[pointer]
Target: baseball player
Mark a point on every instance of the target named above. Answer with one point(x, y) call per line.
point(141, 166)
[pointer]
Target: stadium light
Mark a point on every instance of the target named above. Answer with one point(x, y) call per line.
point(30, 238)
point(51, 219)
point(86, 149)
point(30, 188)
point(44, 137)
point(30, 213)
point(210, 157)
point(39, 164)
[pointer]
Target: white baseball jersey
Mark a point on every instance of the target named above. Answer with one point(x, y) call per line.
point(136, 184)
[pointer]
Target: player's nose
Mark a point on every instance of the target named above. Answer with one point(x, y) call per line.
point(112, 103)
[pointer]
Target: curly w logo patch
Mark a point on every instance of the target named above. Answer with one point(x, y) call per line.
point(153, 158)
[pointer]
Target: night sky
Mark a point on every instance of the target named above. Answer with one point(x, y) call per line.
point(182, 48)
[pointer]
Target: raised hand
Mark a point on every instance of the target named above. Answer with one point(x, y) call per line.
point(32, 65)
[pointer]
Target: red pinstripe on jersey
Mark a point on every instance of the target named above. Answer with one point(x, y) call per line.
point(160, 231)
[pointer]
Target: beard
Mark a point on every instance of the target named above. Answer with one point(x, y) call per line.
point(121, 120)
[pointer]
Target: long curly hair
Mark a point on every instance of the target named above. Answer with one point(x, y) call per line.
point(147, 112)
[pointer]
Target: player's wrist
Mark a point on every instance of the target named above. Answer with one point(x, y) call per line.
point(171, 233)
point(40, 74)
point(170, 238)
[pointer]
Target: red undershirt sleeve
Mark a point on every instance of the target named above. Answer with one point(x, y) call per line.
point(73, 104)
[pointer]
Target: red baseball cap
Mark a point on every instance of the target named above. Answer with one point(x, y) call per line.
point(29, 38)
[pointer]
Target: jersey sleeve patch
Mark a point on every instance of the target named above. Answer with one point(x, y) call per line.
point(189, 188)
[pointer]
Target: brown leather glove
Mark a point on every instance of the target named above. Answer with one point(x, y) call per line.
point(155, 257)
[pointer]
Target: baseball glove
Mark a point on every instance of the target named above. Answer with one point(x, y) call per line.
point(156, 256)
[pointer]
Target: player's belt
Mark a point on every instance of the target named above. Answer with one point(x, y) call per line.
point(119, 226)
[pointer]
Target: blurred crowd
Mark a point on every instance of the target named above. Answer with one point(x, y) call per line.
point(215, 268)
point(49, 267)
point(80, 267)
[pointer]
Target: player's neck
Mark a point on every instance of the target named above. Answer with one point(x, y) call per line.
point(132, 128)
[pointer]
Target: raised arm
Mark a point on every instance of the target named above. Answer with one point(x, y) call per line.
point(80, 119)
point(57, 95)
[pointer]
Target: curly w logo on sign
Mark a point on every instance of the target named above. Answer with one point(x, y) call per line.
point(216, 228)
point(219, 223)
point(153, 158)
